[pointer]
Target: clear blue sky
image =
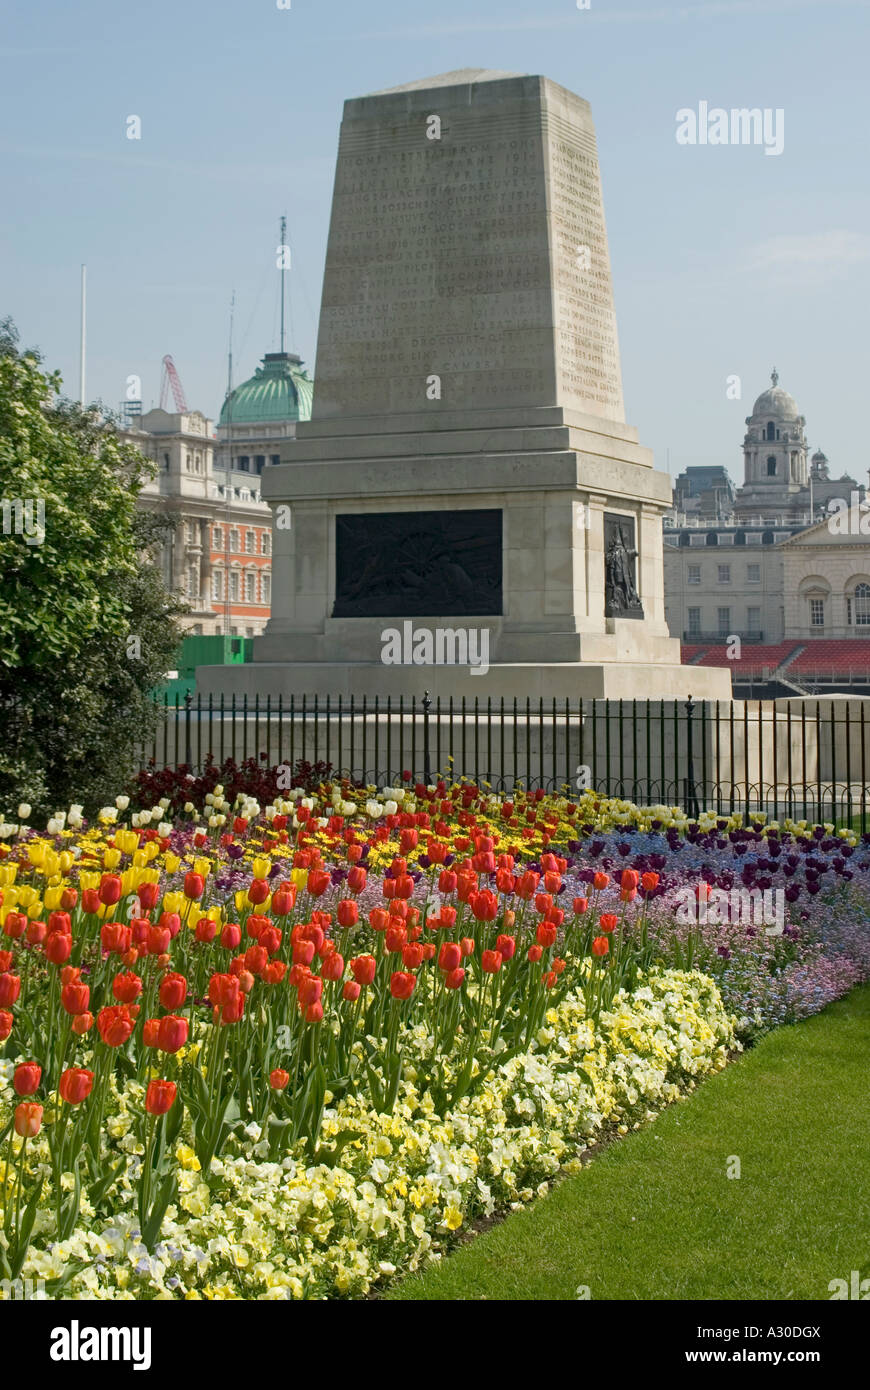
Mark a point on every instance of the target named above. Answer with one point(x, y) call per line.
point(725, 260)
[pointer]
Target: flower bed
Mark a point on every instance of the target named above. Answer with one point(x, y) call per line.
point(284, 1052)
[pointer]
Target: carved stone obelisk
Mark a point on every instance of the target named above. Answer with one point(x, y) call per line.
point(467, 463)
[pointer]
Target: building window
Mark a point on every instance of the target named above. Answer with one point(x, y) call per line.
point(166, 462)
point(259, 462)
point(242, 463)
point(771, 430)
point(266, 587)
point(274, 459)
point(694, 615)
point(862, 605)
point(723, 616)
point(234, 540)
point(251, 587)
point(266, 544)
point(817, 612)
point(250, 542)
point(234, 585)
point(753, 620)
point(753, 574)
point(724, 574)
point(771, 467)
point(217, 584)
point(693, 574)
point(217, 538)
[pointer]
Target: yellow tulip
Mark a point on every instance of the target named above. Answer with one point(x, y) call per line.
point(140, 859)
point(202, 866)
point(89, 880)
point(7, 875)
point(173, 902)
point(261, 866)
point(52, 898)
point(35, 910)
point(50, 863)
point(65, 861)
point(111, 858)
point(299, 877)
point(172, 862)
point(36, 852)
point(27, 895)
point(152, 849)
point(241, 900)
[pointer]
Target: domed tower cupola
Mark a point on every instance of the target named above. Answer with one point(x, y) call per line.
point(819, 467)
point(774, 453)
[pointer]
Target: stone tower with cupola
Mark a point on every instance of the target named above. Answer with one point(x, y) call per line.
point(774, 458)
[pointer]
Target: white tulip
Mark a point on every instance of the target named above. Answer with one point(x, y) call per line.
point(164, 803)
point(189, 808)
point(122, 802)
point(23, 811)
point(390, 808)
point(164, 829)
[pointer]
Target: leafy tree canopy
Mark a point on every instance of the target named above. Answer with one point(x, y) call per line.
point(86, 626)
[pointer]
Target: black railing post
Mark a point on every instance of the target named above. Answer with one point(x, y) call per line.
point(691, 799)
point(188, 755)
point(427, 766)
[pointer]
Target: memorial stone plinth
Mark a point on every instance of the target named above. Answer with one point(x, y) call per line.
point(467, 463)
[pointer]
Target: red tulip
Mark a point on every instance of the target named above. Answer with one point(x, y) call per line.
point(115, 1024)
point(491, 962)
point(5, 961)
point(549, 979)
point(600, 881)
point(506, 945)
point(466, 946)
point(608, 921)
point(158, 940)
point(545, 934)
point(279, 1079)
point(75, 1085)
point(58, 948)
point(26, 1078)
point(412, 955)
point(127, 988)
point(60, 921)
point(356, 878)
point(449, 956)
point(173, 991)
point(109, 890)
point(351, 990)
point(90, 901)
point(160, 1097)
point(36, 933)
point(535, 953)
point(258, 891)
point(10, 988)
point(194, 886)
point(82, 1023)
point(28, 1119)
point(347, 913)
point(15, 925)
point(333, 966)
point(68, 899)
point(172, 1033)
point(205, 930)
point(314, 1012)
point(395, 937)
point(402, 984)
point(171, 922)
point(310, 990)
point(453, 978)
point(317, 882)
point(600, 946)
point(151, 1032)
point(363, 969)
point(527, 884)
point(580, 905)
point(649, 882)
point(6, 1021)
point(148, 895)
point(484, 905)
point(447, 881)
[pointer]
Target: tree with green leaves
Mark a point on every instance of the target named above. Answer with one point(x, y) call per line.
point(87, 628)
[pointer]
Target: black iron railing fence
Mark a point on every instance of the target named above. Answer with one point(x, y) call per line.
point(807, 759)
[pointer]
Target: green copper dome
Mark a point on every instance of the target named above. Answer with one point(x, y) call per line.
point(280, 389)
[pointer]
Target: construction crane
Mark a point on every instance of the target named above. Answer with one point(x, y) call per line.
point(171, 378)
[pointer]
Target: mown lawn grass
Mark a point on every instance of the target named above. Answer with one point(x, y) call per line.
point(655, 1216)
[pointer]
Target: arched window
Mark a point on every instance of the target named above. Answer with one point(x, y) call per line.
point(861, 605)
point(767, 538)
point(771, 466)
point(685, 538)
point(771, 430)
point(712, 538)
point(739, 537)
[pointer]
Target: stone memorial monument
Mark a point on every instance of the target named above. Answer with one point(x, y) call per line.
point(467, 465)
